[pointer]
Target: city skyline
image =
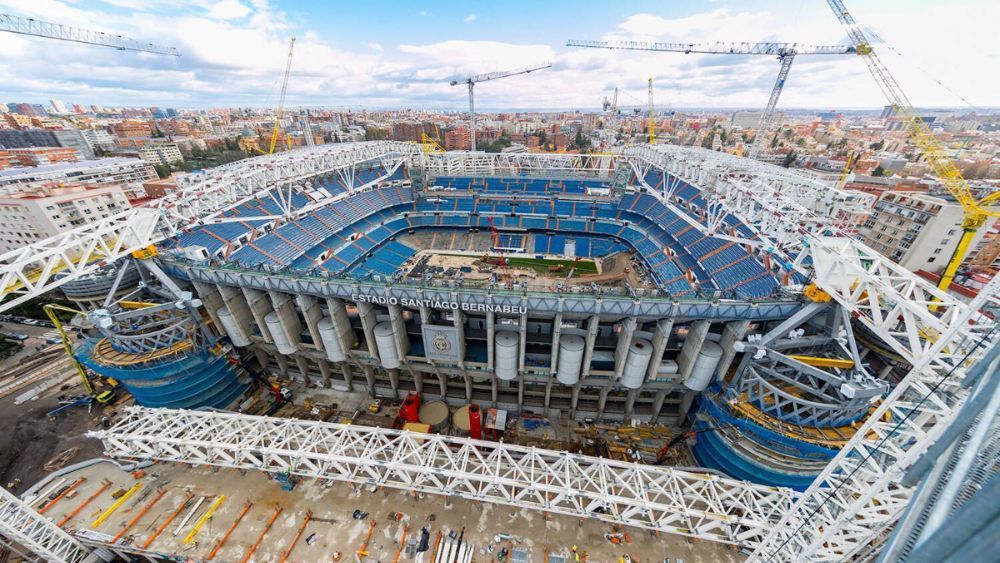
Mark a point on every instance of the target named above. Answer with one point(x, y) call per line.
point(346, 57)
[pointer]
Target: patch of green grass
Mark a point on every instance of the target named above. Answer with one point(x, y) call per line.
point(542, 265)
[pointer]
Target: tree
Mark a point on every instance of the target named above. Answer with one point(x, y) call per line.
point(723, 137)
point(774, 141)
point(879, 171)
point(789, 159)
point(162, 170)
point(709, 139)
point(877, 145)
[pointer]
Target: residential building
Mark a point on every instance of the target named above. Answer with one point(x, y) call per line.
point(916, 230)
point(27, 138)
point(458, 139)
point(99, 139)
point(131, 128)
point(161, 153)
point(122, 171)
point(37, 156)
point(58, 106)
point(40, 212)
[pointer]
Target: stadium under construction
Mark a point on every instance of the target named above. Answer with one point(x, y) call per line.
point(659, 285)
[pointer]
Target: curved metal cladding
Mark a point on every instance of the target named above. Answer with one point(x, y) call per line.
point(744, 449)
point(189, 380)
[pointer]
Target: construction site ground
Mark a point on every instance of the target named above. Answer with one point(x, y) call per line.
point(331, 529)
point(31, 383)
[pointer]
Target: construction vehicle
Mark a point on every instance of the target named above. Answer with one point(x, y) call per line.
point(472, 80)
point(977, 212)
point(375, 406)
point(281, 397)
point(106, 397)
point(281, 101)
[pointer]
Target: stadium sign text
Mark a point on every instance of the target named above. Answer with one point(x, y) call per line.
point(435, 304)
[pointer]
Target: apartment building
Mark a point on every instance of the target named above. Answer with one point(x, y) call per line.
point(100, 139)
point(37, 156)
point(161, 153)
point(26, 138)
point(122, 171)
point(916, 230)
point(129, 128)
point(38, 212)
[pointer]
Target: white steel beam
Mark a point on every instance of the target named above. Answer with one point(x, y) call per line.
point(858, 496)
point(659, 498)
point(21, 525)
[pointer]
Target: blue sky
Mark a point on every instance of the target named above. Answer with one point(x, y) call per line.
point(402, 54)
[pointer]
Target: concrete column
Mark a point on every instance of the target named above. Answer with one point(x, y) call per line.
point(458, 320)
point(341, 324)
point(443, 384)
point(303, 365)
point(658, 400)
point(523, 348)
point(490, 333)
point(588, 350)
point(399, 331)
point(686, 403)
point(370, 378)
point(259, 306)
point(282, 365)
point(209, 295)
point(418, 380)
point(347, 372)
point(731, 334)
point(661, 337)
point(494, 391)
point(520, 389)
point(367, 314)
point(262, 360)
point(602, 400)
point(692, 345)
point(554, 359)
point(574, 399)
point(312, 313)
point(324, 371)
point(288, 318)
point(394, 382)
point(621, 351)
point(629, 403)
point(468, 386)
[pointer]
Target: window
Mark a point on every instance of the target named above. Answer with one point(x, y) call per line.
point(945, 242)
point(937, 251)
point(931, 259)
point(951, 232)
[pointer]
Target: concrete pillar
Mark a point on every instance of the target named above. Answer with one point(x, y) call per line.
point(630, 403)
point(686, 403)
point(588, 350)
point(312, 313)
point(602, 400)
point(324, 372)
point(443, 384)
point(209, 295)
point(302, 364)
point(341, 325)
point(418, 380)
point(259, 306)
point(288, 318)
point(523, 349)
point(490, 333)
point(621, 351)
point(394, 382)
point(658, 400)
point(661, 337)
point(282, 365)
point(494, 390)
point(370, 378)
point(347, 372)
point(262, 360)
point(731, 334)
point(520, 389)
point(458, 319)
point(574, 400)
point(554, 359)
point(399, 331)
point(367, 314)
point(692, 345)
point(468, 386)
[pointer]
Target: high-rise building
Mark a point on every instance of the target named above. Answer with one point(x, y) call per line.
point(37, 213)
point(26, 138)
point(132, 128)
point(123, 171)
point(37, 156)
point(58, 106)
point(161, 153)
point(458, 139)
point(99, 139)
point(916, 230)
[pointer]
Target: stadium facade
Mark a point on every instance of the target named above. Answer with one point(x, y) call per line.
point(593, 286)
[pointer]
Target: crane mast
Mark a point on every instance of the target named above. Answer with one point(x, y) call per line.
point(281, 99)
point(976, 212)
point(471, 82)
point(48, 30)
point(785, 53)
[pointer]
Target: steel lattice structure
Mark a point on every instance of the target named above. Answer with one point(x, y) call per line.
point(30, 26)
point(37, 268)
point(858, 495)
point(21, 524)
point(691, 504)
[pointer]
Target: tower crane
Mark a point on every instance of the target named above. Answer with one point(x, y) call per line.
point(281, 99)
point(977, 212)
point(784, 52)
point(472, 80)
point(38, 28)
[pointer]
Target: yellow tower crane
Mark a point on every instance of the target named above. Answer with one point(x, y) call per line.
point(281, 99)
point(977, 212)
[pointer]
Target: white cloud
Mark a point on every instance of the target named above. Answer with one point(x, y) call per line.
point(470, 18)
point(374, 46)
point(423, 13)
point(228, 10)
